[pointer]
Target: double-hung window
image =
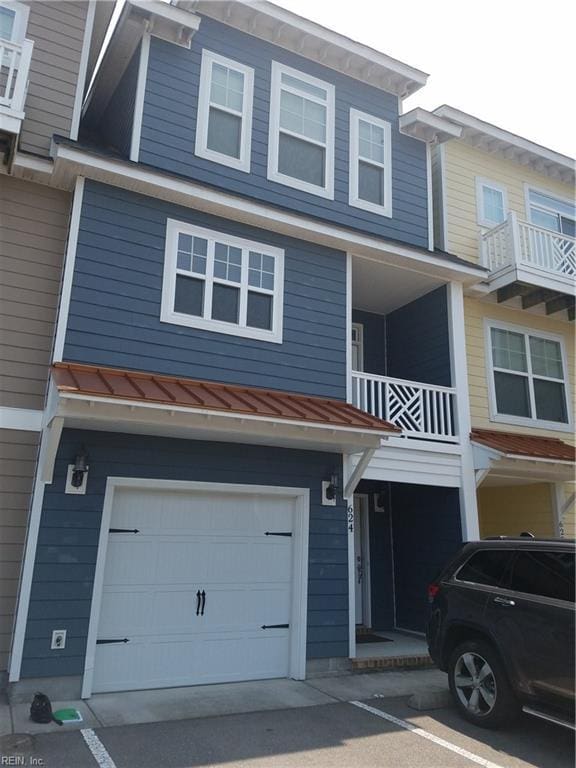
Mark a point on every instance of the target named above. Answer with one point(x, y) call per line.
point(222, 283)
point(528, 377)
point(491, 203)
point(552, 213)
point(224, 119)
point(370, 163)
point(301, 136)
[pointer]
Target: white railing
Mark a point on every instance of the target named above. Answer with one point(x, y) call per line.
point(420, 410)
point(14, 67)
point(523, 244)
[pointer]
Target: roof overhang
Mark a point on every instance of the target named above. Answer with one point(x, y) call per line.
point(493, 467)
point(509, 146)
point(428, 127)
point(70, 162)
point(313, 41)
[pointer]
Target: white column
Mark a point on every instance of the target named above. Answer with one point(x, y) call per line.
point(347, 469)
point(459, 366)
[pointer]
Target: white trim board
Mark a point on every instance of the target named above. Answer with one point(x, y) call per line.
point(69, 262)
point(300, 537)
point(24, 419)
point(139, 99)
point(82, 69)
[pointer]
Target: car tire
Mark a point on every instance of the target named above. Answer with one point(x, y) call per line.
point(479, 685)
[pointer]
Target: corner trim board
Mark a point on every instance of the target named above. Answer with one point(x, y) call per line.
point(25, 419)
point(69, 263)
point(82, 69)
point(139, 100)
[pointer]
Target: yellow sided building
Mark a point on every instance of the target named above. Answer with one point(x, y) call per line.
point(508, 204)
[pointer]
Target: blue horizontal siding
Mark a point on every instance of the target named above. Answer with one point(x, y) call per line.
point(169, 130)
point(114, 317)
point(66, 557)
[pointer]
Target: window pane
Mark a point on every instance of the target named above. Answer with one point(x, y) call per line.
point(301, 116)
point(225, 302)
point(302, 85)
point(485, 567)
point(227, 87)
point(224, 132)
point(493, 205)
point(546, 357)
point(259, 313)
point(6, 23)
point(227, 262)
point(512, 396)
point(568, 226)
point(370, 183)
point(189, 298)
point(371, 142)
point(551, 202)
point(261, 271)
point(508, 350)
point(548, 574)
point(545, 220)
point(550, 401)
point(301, 160)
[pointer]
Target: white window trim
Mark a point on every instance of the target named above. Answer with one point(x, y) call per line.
point(20, 20)
point(480, 214)
point(167, 313)
point(540, 191)
point(524, 420)
point(359, 328)
point(353, 199)
point(201, 148)
point(274, 133)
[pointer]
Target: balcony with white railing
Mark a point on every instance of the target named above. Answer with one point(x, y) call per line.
point(14, 69)
point(423, 411)
point(519, 252)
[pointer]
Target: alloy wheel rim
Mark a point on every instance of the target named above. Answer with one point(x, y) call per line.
point(475, 684)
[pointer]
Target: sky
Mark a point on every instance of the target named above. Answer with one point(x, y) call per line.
point(508, 62)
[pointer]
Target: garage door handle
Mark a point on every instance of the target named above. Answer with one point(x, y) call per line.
point(203, 603)
point(108, 642)
point(198, 601)
point(274, 626)
point(504, 601)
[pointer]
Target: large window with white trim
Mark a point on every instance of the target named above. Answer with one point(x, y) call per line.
point(13, 21)
point(551, 212)
point(370, 163)
point(224, 118)
point(222, 283)
point(528, 376)
point(301, 136)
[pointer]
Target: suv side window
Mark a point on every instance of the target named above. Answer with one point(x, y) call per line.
point(547, 574)
point(487, 567)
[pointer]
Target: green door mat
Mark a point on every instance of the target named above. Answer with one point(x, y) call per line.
point(68, 716)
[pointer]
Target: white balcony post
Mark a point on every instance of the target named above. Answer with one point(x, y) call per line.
point(514, 233)
point(458, 361)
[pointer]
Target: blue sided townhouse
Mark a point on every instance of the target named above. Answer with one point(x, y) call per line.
point(256, 434)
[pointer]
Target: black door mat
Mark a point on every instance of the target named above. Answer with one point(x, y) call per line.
point(370, 638)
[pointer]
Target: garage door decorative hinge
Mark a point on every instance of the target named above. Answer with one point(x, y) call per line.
point(274, 626)
point(108, 642)
point(278, 533)
point(123, 530)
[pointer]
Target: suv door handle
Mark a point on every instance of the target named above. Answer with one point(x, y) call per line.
point(503, 601)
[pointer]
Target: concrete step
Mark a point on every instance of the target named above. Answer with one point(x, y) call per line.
point(421, 661)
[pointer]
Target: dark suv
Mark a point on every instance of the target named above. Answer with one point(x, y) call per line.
point(501, 623)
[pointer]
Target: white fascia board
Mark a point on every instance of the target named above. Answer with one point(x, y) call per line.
point(24, 419)
point(426, 126)
point(506, 137)
point(73, 162)
point(537, 459)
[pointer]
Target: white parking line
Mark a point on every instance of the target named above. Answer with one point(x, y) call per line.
point(426, 735)
point(99, 751)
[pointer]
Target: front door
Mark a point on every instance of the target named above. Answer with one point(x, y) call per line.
point(197, 589)
point(361, 560)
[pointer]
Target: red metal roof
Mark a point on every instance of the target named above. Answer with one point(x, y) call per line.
point(93, 381)
point(525, 445)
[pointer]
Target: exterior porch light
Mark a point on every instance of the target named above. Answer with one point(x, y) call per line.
point(331, 488)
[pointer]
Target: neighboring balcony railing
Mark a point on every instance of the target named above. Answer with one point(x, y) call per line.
point(14, 68)
point(519, 243)
point(420, 410)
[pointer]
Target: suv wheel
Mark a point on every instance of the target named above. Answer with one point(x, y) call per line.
point(480, 686)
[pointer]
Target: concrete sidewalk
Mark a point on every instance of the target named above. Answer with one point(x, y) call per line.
point(163, 705)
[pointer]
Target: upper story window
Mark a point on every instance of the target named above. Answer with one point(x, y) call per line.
point(13, 21)
point(222, 283)
point(551, 213)
point(491, 203)
point(370, 163)
point(301, 137)
point(528, 377)
point(224, 121)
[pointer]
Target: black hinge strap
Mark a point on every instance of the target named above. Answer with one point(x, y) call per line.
point(123, 530)
point(274, 626)
point(278, 533)
point(108, 642)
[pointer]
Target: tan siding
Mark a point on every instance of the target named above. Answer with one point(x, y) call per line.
point(475, 312)
point(509, 510)
point(34, 221)
point(57, 29)
point(568, 519)
point(462, 165)
point(17, 462)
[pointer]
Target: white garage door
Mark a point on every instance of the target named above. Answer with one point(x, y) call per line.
point(194, 595)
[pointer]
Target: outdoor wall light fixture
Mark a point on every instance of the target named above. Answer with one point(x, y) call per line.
point(330, 491)
point(80, 468)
